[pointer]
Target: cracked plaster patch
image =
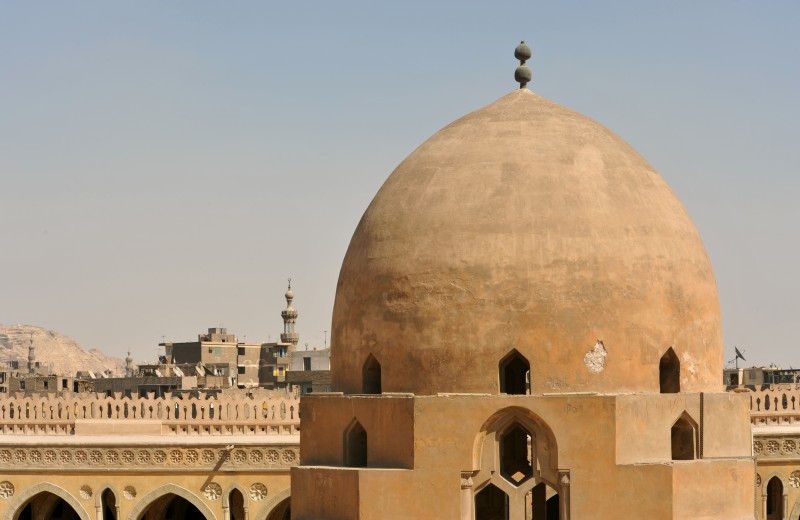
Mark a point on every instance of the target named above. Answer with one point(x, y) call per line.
point(595, 359)
point(689, 363)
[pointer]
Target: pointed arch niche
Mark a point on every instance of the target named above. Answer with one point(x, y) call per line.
point(669, 373)
point(108, 504)
point(775, 500)
point(371, 376)
point(684, 438)
point(237, 509)
point(355, 445)
point(514, 372)
point(519, 476)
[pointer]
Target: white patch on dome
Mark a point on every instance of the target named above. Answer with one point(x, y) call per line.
point(595, 359)
point(689, 364)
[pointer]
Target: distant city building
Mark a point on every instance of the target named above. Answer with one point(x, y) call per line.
point(756, 376)
point(310, 370)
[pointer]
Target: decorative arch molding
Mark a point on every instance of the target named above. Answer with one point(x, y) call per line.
point(166, 489)
point(515, 459)
point(271, 504)
point(765, 480)
point(505, 418)
point(227, 513)
point(795, 514)
point(98, 500)
point(22, 500)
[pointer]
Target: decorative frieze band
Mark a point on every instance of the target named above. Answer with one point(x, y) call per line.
point(166, 458)
point(770, 447)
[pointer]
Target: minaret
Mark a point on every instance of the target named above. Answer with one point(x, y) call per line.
point(129, 365)
point(289, 316)
point(31, 357)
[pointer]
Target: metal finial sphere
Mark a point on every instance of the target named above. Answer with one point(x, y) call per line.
point(522, 52)
point(523, 74)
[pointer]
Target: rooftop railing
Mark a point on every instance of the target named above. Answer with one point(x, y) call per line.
point(234, 412)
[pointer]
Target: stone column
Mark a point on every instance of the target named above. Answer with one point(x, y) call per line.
point(563, 495)
point(785, 510)
point(246, 513)
point(225, 512)
point(763, 506)
point(467, 497)
point(98, 508)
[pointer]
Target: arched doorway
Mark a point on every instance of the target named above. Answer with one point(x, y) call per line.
point(47, 505)
point(774, 499)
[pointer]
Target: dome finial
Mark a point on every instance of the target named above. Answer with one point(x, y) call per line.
point(523, 74)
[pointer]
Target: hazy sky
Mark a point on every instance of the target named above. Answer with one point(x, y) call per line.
point(165, 166)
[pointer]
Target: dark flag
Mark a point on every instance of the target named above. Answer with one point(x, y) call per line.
point(739, 354)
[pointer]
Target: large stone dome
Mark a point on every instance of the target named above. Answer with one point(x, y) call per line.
point(527, 227)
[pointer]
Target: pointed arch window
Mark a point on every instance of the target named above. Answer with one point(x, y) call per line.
point(491, 503)
point(371, 376)
point(669, 373)
point(514, 374)
point(236, 505)
point(775, 499)
point(684, 438)
point(355, 446)
point(515, 455)
point(109, 501)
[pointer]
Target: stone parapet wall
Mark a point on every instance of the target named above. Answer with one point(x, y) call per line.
point(251, 412)
point(775, 405)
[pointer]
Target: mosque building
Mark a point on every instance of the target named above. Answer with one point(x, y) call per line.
point(526, 325)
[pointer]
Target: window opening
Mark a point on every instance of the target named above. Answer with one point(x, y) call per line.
point(371, 376)
point(514, 374)
point(515, 455)
point(669, 373)
point(684, 435)
point(236, 504)
point(775, 499)
point(109, 505)
point(355, 448)
point(491, 503)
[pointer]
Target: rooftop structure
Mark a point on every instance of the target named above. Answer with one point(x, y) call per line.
point(526, 325)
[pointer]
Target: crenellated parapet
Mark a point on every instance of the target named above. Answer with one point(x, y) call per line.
point(775, 405)
point(252, 412)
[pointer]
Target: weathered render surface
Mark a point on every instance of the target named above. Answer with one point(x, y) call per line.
point(536, 322)
point(526, 226)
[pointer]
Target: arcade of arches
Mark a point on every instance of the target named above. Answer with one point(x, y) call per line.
point(123, 493)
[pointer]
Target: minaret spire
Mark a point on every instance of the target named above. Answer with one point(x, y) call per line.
point(31, 357)
point(289, 316)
